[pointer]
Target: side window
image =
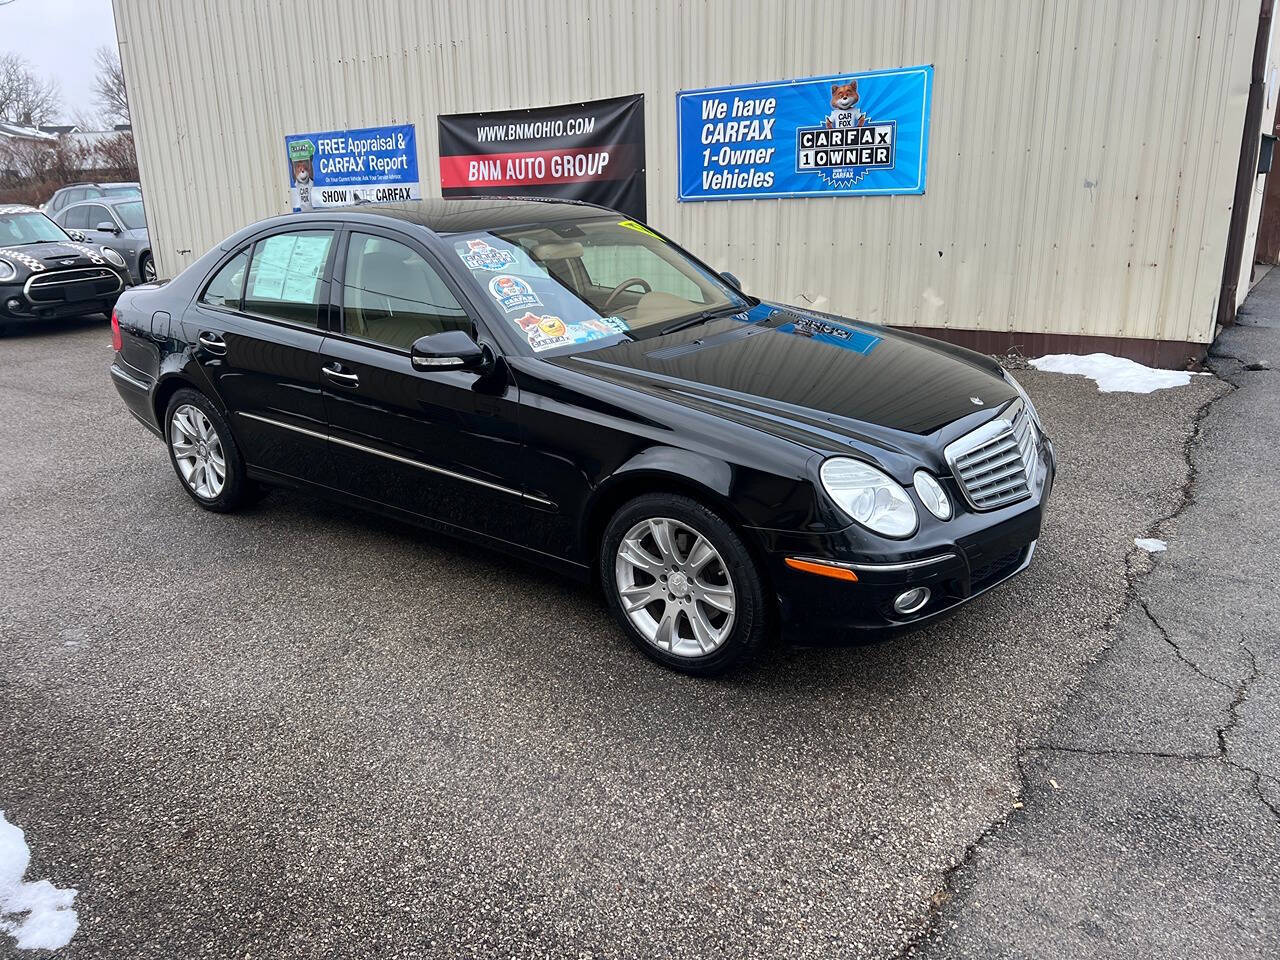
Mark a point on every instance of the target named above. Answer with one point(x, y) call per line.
point(224, 289)
point(611, 264)
point(393, 296)
point(285, 275)
point(74, 195)
point(95, 215)
point(76, 218)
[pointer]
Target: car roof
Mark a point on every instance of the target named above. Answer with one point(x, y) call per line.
point(101, 202)
point(17, 208)
point(467, 215)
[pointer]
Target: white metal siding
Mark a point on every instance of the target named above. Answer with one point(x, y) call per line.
point(1081, 158)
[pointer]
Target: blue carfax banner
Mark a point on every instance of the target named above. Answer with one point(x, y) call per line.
point(340, 167)
point(850, 133)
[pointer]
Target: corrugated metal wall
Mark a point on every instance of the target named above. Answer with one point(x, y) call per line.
point(1082, 152)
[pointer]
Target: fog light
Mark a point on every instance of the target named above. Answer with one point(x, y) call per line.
point(14, 303)
point(909, 601)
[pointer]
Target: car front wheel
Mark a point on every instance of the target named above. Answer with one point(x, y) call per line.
point(683, 585)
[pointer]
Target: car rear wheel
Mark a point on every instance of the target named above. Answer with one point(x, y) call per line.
point(147, 268)
point(683, 585)
point(203, 452)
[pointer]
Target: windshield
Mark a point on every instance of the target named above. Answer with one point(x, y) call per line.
point(130, 215)
point(33, 227)
point(128, 190)
point(578, 285)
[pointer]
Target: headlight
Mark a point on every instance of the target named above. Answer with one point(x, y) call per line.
point(869, 497)
point(1031, 407)
point(112, 256)
point(931, 494)
point(7, 272)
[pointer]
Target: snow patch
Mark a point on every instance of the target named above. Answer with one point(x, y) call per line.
point(1150, 544)
point(1113, 374)
point(50, 923)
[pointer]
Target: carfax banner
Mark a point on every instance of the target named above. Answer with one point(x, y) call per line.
point(338, 168)
point(580, 151)
point(849, 133)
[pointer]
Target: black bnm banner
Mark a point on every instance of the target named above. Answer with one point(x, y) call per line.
point(579, 151)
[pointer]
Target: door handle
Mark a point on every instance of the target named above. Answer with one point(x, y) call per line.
point(335, 373)
point(213, 342)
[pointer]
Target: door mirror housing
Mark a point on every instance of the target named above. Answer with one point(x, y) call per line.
point(450, 350)
point(106, 226)
point(731, 280)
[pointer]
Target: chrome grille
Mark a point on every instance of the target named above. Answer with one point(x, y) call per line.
point(995, 463)
point(55, 286)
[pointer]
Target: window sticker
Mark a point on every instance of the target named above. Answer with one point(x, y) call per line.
point(512, 293)
point(288, 266)
point(606, 326)
point(639, 228)
point(480, 255)
point(547, 331)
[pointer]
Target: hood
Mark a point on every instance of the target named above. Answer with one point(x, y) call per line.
point(816, 372)
point(29, 258)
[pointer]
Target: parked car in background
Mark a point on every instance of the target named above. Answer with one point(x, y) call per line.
point(565, 384)
point(45, 273)
point(76, 192)
point(118, 223)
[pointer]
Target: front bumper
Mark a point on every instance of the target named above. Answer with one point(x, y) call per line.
point(17, 306)
point(957, 561)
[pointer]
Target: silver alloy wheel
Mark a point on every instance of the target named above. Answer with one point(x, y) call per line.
point(197, 449)
point(148, 270)
point(675, 587)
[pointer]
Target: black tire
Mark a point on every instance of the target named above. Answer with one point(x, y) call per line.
point(752, 614)
point(145, 261)
point(237, 489)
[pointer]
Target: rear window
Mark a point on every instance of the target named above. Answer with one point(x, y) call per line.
point(285, 275)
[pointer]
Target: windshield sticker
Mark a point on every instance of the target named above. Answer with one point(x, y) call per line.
point(31, 263)
point(512, 293)
point(546, 332)
point(639, 228)
point(480, 255)
point(606, 326)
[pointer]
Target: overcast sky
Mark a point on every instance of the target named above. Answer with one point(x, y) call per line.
point(59, 38)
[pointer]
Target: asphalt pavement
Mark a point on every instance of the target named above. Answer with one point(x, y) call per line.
point(1150, 817)
point(300, 731)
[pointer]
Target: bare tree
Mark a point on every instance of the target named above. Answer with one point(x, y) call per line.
point(24, 98)
point(109, 89)
point(117, 156)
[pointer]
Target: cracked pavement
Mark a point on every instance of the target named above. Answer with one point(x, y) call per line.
point(1149, 823)
point(299, 731)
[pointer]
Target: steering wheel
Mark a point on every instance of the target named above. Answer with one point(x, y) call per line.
point(634, 281)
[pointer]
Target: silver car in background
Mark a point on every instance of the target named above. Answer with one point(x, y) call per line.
point(115, 222)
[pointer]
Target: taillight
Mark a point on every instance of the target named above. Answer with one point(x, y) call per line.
point(116, 342)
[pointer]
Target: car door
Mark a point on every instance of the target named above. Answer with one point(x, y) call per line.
point(443, 445)
point(256, 330)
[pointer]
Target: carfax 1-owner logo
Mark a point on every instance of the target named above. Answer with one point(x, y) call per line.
point(854, 134)
point(848, 143)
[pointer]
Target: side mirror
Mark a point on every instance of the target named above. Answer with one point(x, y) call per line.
point(731, 280)
point(106, 226)
point(450, 350)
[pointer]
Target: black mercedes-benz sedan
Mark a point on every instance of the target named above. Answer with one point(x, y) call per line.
point(46, 273)
point(569, 386)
